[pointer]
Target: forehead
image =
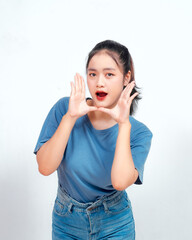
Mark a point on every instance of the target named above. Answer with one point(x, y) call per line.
point(103, 59)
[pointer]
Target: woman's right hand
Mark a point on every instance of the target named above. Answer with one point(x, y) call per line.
point(77, 102)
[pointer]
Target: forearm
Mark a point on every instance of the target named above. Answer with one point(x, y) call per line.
point(123, 172)
point(51, 153)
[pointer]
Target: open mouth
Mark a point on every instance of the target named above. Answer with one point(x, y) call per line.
point(101, 95)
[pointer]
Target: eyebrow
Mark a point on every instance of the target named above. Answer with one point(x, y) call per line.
point(93, 69)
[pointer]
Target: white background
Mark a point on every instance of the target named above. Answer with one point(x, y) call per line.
point(43, 43)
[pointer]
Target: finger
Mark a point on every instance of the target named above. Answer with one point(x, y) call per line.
point(82, 85)
point(92, 109)
point(128, 90)
point(124, 93)
point(105, 110)
point(77, 82)
point(75, 85)
point(133, 96)
point(72, 89)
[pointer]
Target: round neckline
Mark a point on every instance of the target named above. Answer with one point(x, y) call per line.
point(98, 130)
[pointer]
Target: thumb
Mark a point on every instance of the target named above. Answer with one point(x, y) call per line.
point(105, 110)
point(92, 109)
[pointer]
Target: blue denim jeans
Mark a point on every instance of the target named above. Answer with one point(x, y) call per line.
point(110, 217)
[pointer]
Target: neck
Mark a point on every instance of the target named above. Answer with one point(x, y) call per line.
point(97, 115)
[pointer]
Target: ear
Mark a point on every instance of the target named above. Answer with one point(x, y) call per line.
point(127, 78)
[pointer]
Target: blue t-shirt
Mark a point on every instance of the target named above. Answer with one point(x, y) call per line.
point(85, 170)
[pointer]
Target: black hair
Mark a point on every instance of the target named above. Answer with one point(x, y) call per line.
point(123, 59)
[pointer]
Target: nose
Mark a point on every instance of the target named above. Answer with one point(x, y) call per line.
point(100, 81)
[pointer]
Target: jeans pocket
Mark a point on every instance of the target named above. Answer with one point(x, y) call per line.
point(60, 208)
point(118, 206)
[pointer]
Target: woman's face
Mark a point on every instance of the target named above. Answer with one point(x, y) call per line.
point(105, 80)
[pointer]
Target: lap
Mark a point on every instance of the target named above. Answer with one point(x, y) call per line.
point(112, 220)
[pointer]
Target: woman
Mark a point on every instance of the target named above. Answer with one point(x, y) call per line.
point(97, 148)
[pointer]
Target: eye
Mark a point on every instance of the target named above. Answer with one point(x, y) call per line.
point(92, 74)
point(110, 74)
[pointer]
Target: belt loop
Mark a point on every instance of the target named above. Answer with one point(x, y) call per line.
point(70, 207)
point(105, 206)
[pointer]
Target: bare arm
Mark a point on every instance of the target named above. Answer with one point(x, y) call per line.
point(51, 153)
point(123, 172)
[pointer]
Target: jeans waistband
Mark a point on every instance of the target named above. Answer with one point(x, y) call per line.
point(64, 197)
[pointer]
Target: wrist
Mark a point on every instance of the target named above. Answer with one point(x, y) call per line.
point(72, 118)
point(125, 124)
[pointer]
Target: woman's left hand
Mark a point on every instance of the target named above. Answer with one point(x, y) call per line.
point(120, 113)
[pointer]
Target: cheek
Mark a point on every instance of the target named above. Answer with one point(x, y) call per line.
point(116, 85)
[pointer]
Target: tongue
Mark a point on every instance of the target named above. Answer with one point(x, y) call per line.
point(102, 94)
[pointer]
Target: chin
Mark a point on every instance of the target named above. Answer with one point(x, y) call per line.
point(104, 104)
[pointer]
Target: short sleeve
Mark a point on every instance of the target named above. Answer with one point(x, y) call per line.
point(140, 149)
point(51, 122)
